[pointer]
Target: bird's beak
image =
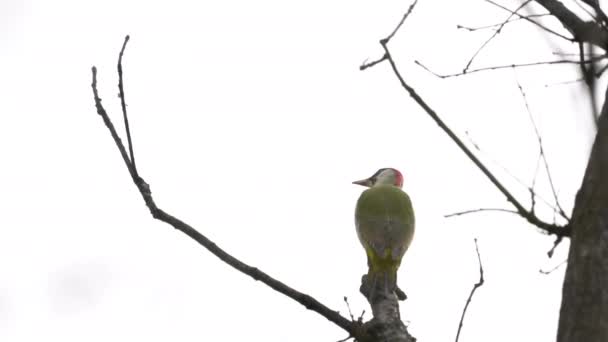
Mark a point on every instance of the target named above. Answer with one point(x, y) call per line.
point(364, 182)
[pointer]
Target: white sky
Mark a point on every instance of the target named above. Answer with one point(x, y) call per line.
point(250, 121)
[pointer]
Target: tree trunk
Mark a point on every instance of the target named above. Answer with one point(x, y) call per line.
point(584, 310)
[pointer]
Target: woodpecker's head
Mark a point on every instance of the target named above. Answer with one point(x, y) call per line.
point(386, 176)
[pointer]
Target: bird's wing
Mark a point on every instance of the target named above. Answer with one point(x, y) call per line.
point(385, 221)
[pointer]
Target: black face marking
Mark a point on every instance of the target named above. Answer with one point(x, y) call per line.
point(374, 177)
point(378, 172)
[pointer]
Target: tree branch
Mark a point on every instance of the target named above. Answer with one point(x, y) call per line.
point(510, 174)
point(367, 64)
point(475, 287)
point(123, 105)
point(531, 218)
point(506, 66)
point(466, 68)
point(553, 269)
point(353, 328)
point(583, 31)
point(542, 154)
point(527, 18)
point(407, 14)
point(526, 214)
point(472, 211)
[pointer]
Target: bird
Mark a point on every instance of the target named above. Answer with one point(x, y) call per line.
point(384, 218)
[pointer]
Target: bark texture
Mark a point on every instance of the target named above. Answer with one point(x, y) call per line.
point(584, 310)
point(386, 326)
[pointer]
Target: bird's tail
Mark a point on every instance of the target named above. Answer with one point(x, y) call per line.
point(382, 276)
point(382, 281)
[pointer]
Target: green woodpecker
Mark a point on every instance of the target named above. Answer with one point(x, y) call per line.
point(384, 218)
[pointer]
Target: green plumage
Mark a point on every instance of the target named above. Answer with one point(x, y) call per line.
point(384, 218)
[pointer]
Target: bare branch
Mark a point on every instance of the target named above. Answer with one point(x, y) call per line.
point(554, 268)
point(543, 156)
point(506, 66)
point(556, 243)
point(578, 80)
point(531, 21)
point(574, 54)
point(529, 16)
point(549, 228)
point(510, 174)
point(106, 119)
point(366, 64)
point(530, 217)
point(407, 14)
point(472, 211)
point(352, 317)
point(533, 201)
point(493, 36)
point(121, 94)
point(583, 31)
point(475, 287)
point(353, 328)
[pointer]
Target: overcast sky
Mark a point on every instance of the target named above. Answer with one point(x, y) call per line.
point(250, 120)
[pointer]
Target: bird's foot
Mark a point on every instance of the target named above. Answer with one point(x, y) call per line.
point(365, 287)
point(400, 294)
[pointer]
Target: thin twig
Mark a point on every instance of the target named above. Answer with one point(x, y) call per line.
point(509, 173)
point(473, 29)
point(572, 54)
point(366, 64)
point(475, 287)
point(493, 36)
point(548, 227)
point(578, 80)
point(407, 13)
point(472, 211)
point(592, 32)
point(533, 201)
point(307, 301)
point(122, 102)
point(554, 268)
point(352, 317)
point(532, 21)
point(542, 153)
point(533, 219)
point(506, 66)
point(556, 243)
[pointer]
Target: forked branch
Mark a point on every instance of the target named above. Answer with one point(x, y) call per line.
point(353, 328)
point(523, 212)
point(542, 157)
point(475, 287)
